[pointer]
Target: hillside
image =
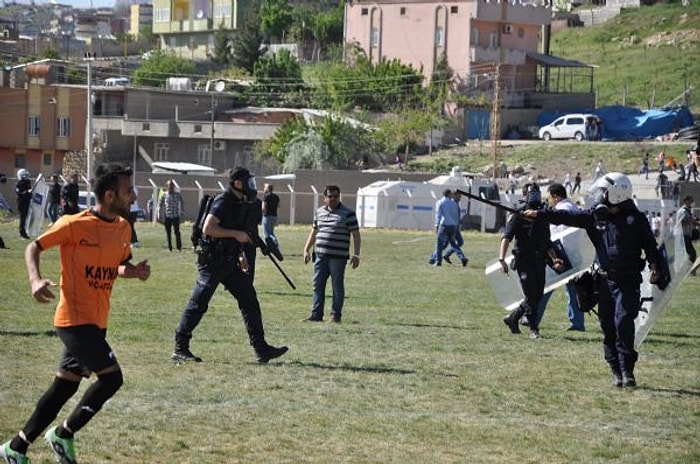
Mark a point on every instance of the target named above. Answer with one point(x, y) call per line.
point(646, 57)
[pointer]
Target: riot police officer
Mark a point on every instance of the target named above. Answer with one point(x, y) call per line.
point(222, 259)
point(619, 233)
point(531, 250)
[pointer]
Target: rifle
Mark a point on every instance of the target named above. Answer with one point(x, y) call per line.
point(265, 250)
point(251, 220)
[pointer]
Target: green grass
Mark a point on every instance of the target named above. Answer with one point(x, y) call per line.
point(654, 74)
point(421, 370)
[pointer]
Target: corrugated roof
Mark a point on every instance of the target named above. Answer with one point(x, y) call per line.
point(557, 62)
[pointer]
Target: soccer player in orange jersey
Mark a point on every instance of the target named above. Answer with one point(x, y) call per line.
point(95, 249)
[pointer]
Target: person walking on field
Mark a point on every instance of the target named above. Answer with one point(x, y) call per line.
point(270, 203)
point(333, 225)
point(223, 261)
point(577, 183)
point(173, 208)
point(94, 251)
point(621, 235)
point(688, 223)
point(23, 189)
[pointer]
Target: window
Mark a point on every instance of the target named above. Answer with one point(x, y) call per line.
point(493, 39)
point(63, 127)
point(454, 9)
point(204, 154)
point(374, 37)
point(365, 11)
point(475, 36)
point(161, 15)
point(521, 32)
point(160, 151)
point(402, 11)
point(48, 159)
point(146, 126)
point(20, 160)
point(439, 36)
point(34, 126)
point(197, 128)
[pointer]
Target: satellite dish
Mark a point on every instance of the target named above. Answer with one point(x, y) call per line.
point(220, 86)
point(200, 14)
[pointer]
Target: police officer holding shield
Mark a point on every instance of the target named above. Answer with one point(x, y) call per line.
point(222, 260)
point(619, 233)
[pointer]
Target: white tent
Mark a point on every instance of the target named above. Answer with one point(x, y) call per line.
point(411, 205)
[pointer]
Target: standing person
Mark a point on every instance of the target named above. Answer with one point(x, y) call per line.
point(567, 182)
point(333, 225)
point(69, 195)
point(559, 202)
point(23, 189)
point(688, 223)
point(131, 217)
point(656, 224)
point(577, 183)
point(223, 261)
point(619, 233)
point(661, 158)
point(81, 315)
point(532, 247)
point(458, 241)
point(173, 208)
point(599, 171)
point(54, 199)
point(645, 166)
point(270, 203)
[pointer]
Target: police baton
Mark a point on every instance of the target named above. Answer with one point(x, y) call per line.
point(488, 202)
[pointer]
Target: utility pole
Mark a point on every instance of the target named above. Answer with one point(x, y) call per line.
point(497, 97)
point(88, 139)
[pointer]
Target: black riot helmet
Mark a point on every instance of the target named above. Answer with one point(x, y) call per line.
point(250, 188)
point(533, 196)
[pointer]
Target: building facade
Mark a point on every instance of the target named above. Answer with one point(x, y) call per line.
point(188, 26)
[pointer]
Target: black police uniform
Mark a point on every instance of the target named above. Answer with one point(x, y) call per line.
point(218, 263)
point(619, 241)
point(532, 240)
point(24, 197)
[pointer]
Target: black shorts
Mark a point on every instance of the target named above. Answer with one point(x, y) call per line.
point(85, 350)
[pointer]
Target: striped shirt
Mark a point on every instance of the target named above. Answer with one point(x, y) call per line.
point(172, 205)
point(333, 231)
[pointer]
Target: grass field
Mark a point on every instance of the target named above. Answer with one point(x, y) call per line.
point(421, 370)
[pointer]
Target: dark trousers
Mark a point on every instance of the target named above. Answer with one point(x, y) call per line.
point(173, 224)
point(238, 284)
point(689, 248)
point(132, 220)
point(23, 207)
point(531, 272)
point(617, 309)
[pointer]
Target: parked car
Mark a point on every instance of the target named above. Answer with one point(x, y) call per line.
point(572, 126)
point(82, 199)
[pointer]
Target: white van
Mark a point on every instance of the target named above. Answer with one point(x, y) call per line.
point(117, 82)
point(572, 126)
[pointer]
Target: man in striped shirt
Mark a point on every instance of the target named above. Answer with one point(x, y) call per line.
point(333, 225)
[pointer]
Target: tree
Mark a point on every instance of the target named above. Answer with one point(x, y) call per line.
point(222, 46)
point(247, 46)
point(275, 18)
point(161, 65)
point(278, 78)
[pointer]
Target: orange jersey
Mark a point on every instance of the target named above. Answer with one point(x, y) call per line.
point(91, 251)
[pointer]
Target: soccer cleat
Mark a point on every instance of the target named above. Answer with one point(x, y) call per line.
point(184, 355)
point(268, 352)
point(11, 456)
point(62, 448)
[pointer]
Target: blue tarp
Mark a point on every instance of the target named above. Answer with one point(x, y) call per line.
point(622, 123)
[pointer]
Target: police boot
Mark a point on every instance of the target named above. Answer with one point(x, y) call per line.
point(265, 352)
point(616, 376)
point(512, 320)
point(182, 352)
